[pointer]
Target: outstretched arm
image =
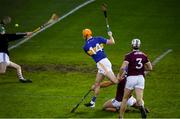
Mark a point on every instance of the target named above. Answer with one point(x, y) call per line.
point(17, 36)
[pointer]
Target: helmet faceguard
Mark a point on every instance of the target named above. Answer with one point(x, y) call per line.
point(136, 44)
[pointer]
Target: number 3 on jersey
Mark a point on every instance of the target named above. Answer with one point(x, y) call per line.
point(94, 50)
point(139, 63)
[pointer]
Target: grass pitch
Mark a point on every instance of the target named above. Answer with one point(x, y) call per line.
point(62, 73)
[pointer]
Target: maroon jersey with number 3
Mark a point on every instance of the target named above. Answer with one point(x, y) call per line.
point(136, 60)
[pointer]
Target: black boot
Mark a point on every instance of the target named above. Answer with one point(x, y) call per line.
point(25, 80)
point(143, 112)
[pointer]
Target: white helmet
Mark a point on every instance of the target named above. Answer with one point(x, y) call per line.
point(136, 43)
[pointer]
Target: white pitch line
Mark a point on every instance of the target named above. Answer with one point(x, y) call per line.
point(61, 18)
point(161, 56)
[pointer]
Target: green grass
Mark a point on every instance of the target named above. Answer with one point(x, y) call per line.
point(62, 73)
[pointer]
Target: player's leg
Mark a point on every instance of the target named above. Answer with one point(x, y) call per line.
point(140, 102)
point(106, 67)
point(19, 72)
point(99, 78)
point(2, 67)
point(129, 86)
point(139, 89)
point(105, 84)
point(127, 93)
point(3, 62)
point(18, 69)
point(136, 106)
point(108, 106)
point(96, 88)
point(112, 77)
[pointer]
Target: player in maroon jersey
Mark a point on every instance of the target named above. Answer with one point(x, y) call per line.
point(137, 62)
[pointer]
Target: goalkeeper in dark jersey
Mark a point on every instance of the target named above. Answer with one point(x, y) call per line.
point(5, 38)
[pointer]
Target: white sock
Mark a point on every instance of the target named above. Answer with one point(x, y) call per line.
point(20, 76)
point(92, 102)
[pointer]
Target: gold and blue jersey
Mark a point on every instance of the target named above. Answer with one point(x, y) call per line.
point(94, 48)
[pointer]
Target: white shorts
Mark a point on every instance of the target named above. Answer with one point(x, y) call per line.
point(4, 58)
point(116, 103)
point(131, 101)
point(104, 66)
point(135, 82)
